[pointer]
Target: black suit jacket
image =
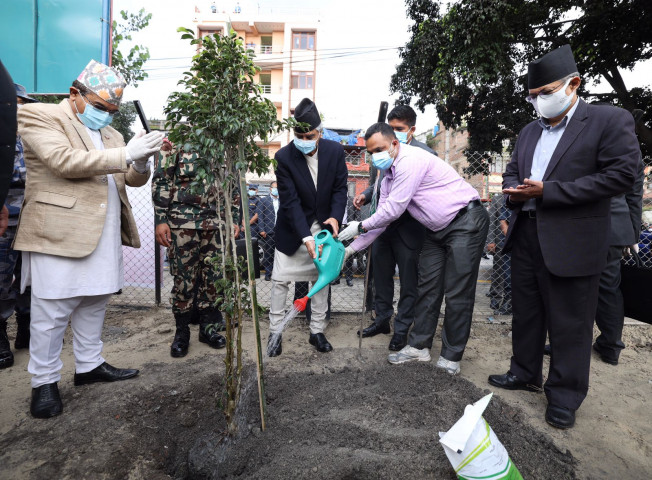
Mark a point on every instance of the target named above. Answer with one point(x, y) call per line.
point(300, 204)
point(8, 129)
point(596, 158)
point(626, 212)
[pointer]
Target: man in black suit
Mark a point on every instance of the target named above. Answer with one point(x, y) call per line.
point(626, 212)
point(312, 177)
point(565, 168)
point(267, 211)
point(399, 244)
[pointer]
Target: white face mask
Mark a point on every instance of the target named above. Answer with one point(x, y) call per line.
point(552, 105)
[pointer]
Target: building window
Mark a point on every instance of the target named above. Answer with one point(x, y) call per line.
point(266, 82)
point(303, 41)
point(265, 45)
point(302, 80)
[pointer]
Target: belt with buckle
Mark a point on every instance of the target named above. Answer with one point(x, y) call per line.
point(528, 213)
point(463, 210)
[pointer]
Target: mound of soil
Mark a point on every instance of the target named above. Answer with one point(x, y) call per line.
point(362, 420)
point(369, 421)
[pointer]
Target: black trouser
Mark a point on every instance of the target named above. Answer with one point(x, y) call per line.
point(449, 265)
point(563, 308)
point(500, 291)
point(268, 245)
point(389, 250)
point(610, 315)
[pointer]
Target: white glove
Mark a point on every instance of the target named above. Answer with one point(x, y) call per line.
point(348, 252)
point(350, 232)
point(141, 148)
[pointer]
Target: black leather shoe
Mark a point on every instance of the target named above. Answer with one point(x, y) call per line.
point(46, 401)
point(319, 341)
point(274, 345)
point(335, 282)
point(104, 373)
point(208, 335)
point(349, 282)
point(397, 342)
point(6, 357)
point(509, 381)
point(547, 350)
point(374, 329)
point(605, 358)
point(560, 417)
point(268, 277)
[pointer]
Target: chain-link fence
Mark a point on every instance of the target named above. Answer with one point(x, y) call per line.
point(482, 171)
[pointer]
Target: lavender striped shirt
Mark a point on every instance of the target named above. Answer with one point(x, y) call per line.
point(430, 190)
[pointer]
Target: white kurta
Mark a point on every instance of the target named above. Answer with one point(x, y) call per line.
point(299, 267)
point(100, 273)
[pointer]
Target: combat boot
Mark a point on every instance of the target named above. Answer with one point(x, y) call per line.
point(208, 328)
point(6, 357)
point(181, 340)
point(22, 333)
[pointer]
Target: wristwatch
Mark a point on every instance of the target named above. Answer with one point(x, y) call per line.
point(361, 229)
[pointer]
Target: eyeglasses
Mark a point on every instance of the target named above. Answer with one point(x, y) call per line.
point(99, 106)
point(530, 98)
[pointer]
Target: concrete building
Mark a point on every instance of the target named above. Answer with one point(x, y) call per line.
point(283, 46)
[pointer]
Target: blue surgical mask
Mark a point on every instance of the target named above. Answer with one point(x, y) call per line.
point(305, 146)
point(275, 192)
point(94, 118)
point(402, 136)
point(382, 160)
point(251, 193)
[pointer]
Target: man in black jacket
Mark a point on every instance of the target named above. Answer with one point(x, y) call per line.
point(565, 168)
point(312, 177)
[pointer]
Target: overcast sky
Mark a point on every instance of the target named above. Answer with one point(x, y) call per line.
point(361, 36)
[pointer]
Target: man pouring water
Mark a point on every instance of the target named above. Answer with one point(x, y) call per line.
point(312, 189)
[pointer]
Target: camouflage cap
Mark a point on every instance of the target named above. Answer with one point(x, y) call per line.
point(103, 81)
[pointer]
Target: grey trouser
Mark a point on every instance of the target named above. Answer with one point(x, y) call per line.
point(449, 265)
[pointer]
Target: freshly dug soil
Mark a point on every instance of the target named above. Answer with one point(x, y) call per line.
point(363, 421)
point(335, 416)
point(369, 421)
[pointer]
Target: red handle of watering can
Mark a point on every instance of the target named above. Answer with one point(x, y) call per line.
point(300, 303)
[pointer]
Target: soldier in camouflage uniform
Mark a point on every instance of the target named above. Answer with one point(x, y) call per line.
point(187, 224)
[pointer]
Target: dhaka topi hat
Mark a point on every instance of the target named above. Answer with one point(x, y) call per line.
point(553, 66)
point(306, 112)
point(22, 93)
point(103, 81)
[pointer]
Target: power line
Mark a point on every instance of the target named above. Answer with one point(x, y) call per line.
point(280, 61)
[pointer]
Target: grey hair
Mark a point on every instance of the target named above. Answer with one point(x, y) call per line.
point(571, 75)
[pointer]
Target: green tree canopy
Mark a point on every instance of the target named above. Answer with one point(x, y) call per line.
point(219, 119)
point(471, 61)
point(130, 65)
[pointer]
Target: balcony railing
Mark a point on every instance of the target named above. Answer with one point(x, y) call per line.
point(266, 50)
point(266, 88)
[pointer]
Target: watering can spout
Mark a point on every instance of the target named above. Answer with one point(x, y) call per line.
point(329, 263)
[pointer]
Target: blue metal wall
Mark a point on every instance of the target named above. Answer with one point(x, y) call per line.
point(45, 44)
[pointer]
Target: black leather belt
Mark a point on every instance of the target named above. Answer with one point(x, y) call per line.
point(528, 213)
point(463, 210)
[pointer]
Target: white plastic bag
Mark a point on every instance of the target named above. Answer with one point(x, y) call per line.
point(473, 448)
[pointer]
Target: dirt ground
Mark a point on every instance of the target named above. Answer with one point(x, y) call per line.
point(337, 415)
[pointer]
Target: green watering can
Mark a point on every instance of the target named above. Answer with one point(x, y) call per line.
point(329, 265)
